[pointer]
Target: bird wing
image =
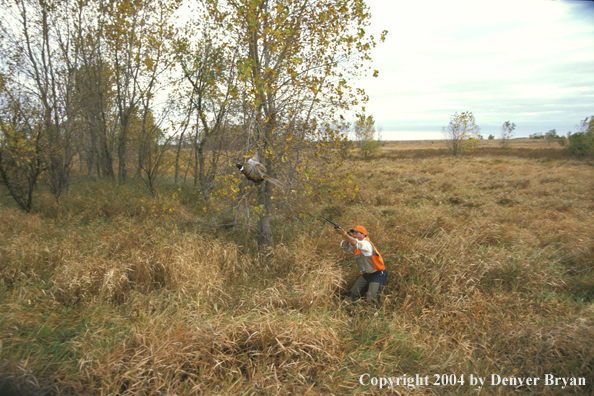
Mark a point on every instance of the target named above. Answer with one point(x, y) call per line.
point(256, 171)
point(254, 166)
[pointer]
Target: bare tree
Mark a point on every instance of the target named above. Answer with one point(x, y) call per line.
point(39, 49)
point(95, 85)
point(153, 145)
point(21, 148)
point(507, 133)
point(136, 32)
point(212, 88)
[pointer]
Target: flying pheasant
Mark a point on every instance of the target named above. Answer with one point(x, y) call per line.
point(256, 172)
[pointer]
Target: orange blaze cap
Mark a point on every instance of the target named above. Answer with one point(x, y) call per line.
point(361, 229)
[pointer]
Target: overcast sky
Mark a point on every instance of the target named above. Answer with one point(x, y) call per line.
point(529, 62)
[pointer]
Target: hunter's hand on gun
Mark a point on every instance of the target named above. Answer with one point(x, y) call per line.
point(338, 228)
point(340, 231)
point(348, 237)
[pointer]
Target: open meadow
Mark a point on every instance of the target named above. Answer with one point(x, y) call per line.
point(490, 260)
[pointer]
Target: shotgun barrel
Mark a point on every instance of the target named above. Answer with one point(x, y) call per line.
point(336, 225)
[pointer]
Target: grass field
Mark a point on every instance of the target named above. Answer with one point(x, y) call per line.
point(490, 259)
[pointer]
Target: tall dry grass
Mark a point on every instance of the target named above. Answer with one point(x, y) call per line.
point(490, 262)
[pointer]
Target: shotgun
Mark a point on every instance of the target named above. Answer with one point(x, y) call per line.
point(336, 225)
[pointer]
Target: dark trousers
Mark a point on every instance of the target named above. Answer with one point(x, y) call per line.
point(369, 285)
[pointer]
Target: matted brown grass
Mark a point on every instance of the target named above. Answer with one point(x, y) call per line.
point(489, 255)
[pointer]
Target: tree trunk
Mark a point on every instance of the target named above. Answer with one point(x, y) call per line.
point(105, 157)
point(264, 222)
point(265, 192)
point(177, 155)
point(196, 161)
point(122, 143)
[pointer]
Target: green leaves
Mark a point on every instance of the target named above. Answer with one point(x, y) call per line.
point(244, 68)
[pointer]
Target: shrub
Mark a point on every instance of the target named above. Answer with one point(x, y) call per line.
point(370, 147)
point(462, 133)
point(562, 141)
point(581, 143)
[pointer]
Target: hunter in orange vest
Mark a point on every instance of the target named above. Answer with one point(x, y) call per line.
point(369, 262)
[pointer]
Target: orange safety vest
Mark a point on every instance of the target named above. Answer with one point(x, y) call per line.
point(369, 264)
